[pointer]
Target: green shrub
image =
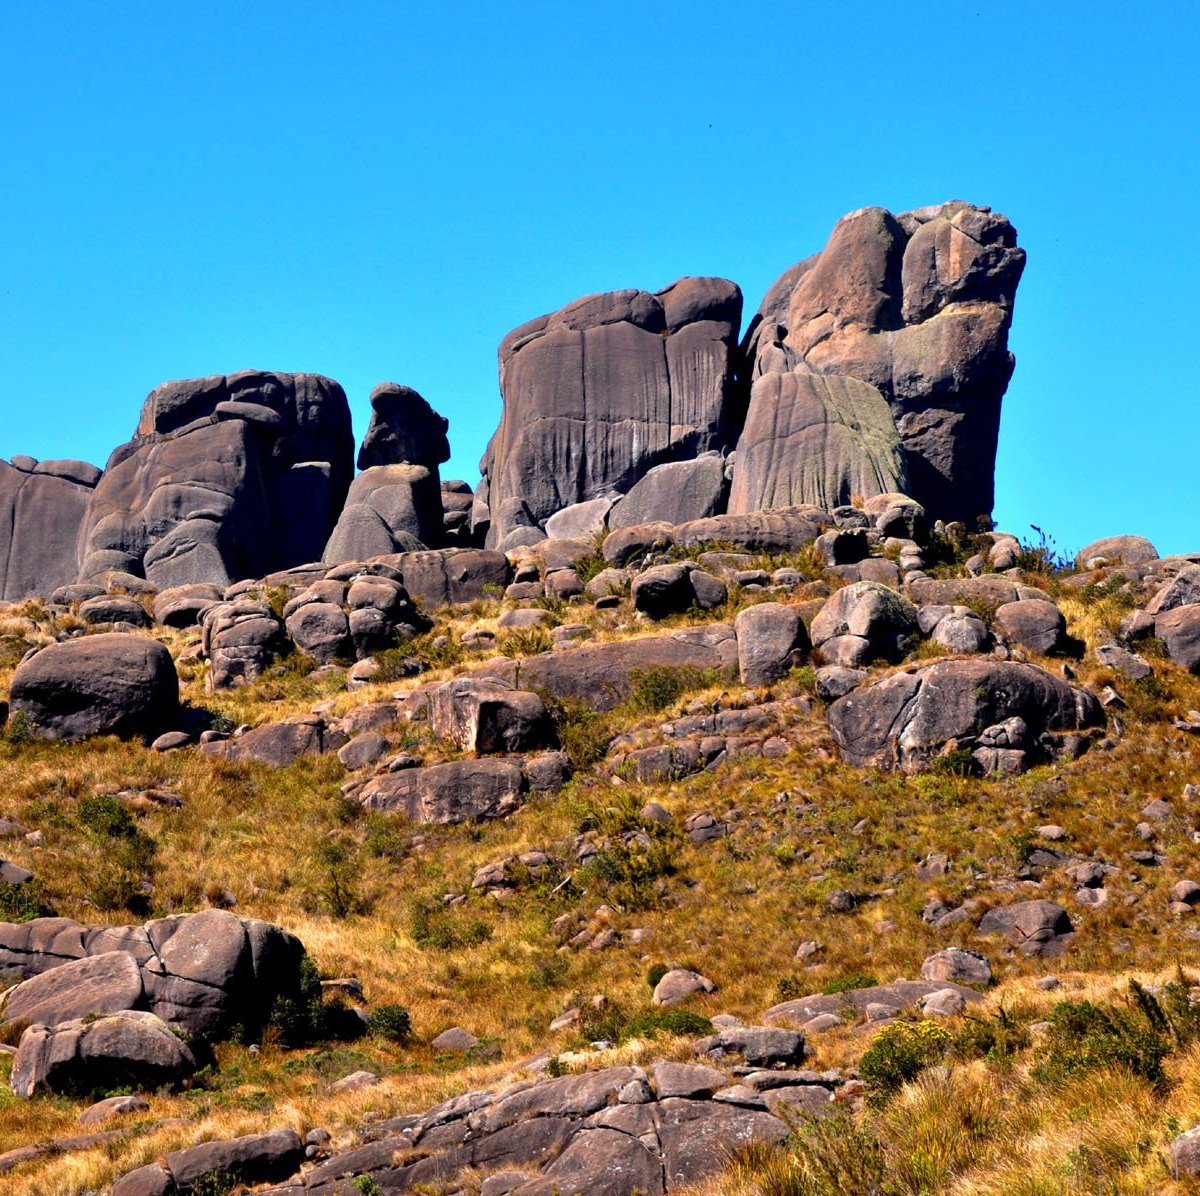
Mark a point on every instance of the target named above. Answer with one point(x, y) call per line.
point(337, 878)
point(628, 873)
point(432, 926)
point(681, 1022)
point(107, 817)
point(997, 1038)
point(22, 903)
point(583, 732)
point(19, 730)
point(848, 982)
point(299, 1017)
point(656, 973)
point(900, 1053)
point(657, 688)
point(532, 641)
point(1138, 1038)
point(119, 856)
point(391, 1022)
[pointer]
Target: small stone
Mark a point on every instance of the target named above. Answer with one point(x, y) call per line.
point(1047, 983)
point(354, 1082)
point(823, 1021)
point(946, 1002)
point(1052, 833)
point(876, 1011)
point(456, 1041)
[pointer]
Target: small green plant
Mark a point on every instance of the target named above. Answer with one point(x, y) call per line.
point(629, 873)
point(656, 973)
point(583, 732)
point(548, 972)
point(1084, 1036)
point(19, 730)
point(531, 641)
point(849, 982)
point(1043, 556)
point(299, 1017)
point(392, 1022)
point(680, 1022)
point(24, 902)
point(789, 987)
point(803, 679)
point(337, 878)
point(432, 926)
point(900, 1053)
point(957, 763)
point(997, 1038)
point(119, 855)
point(657, 688)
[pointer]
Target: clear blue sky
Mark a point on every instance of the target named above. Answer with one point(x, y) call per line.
point(381, 191)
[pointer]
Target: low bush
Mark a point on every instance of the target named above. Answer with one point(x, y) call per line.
point(900, 1053)
point(392, 1022)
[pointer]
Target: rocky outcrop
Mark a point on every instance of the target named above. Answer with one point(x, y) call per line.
point(200, 973)
point(396, 503)
point(910, 312)
point(253, 1159)
point(610, 1132)
point(604, 389)
point(227, 477)
point(108, 684)
point(1011, 715)
point(42, 504)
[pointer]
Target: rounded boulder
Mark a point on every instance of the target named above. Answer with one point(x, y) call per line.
point(109, 684)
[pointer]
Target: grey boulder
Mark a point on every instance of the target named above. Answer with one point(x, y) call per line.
point(113, 683)
point(771, 639)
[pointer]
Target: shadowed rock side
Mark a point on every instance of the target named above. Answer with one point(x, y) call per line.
point(917, 306)
point(604, 389)
point(226, 477)
point(42, 504)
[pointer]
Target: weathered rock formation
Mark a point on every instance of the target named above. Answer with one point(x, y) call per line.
point(200, 973)
point(598, 393)
point(395, 504)
point(225, 478)
point(909, 313)
point(42, 504)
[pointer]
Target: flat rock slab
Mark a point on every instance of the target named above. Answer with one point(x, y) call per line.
point(602, 675)
point(900, 994)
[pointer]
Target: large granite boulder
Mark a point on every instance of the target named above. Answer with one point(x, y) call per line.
point(130, 1049)
point(483, 715)
point(226, 477)
point(390, 508)
point(604, 675)
point(862, 622)
point(916, 306)
point(676, 492)
point(109, 684)
point(203, 973)
point(598, 393)
point(42, 504)
point(404, 430)
point(991, 706)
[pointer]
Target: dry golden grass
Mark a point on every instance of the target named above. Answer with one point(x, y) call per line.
point(735, 908)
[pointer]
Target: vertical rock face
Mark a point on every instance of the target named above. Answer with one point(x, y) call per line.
point(226, 477)
point(395, 504)
point(917, 307)
point(42, 505)
point(604, 389)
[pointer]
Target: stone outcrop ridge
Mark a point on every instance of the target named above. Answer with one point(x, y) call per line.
point(225, 477)
point(876, 366)
point(42, 504)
